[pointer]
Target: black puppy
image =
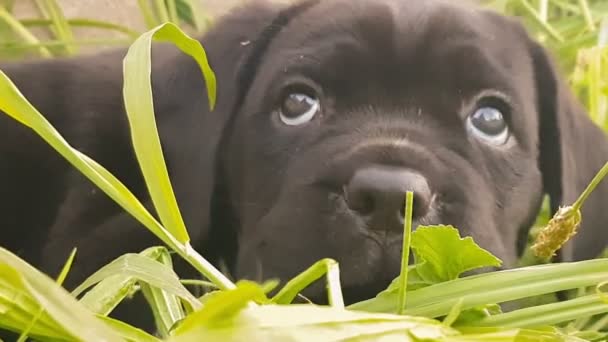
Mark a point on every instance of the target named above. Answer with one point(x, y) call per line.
point(327, 112)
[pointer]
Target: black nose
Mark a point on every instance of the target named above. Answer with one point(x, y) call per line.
point(378, 194)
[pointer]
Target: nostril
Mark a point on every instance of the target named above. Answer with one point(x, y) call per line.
point(360, 201)
point(378, 193)
point(420, 206)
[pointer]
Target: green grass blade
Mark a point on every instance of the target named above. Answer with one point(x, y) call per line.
point(60, 279)
point(23, 32)
point(84, 22)
point(494, 287)
point(108, 293)
point(18, 309)
point(147, 13)
point(14, 104)
point(405, 252)
point(196, 14)
point(128, 332)
point(74, 318)
point(161, 10)
point(60, 26)
point(172, 11)
point(548, 314)
point(294, 286)
point(137, 93)
point(166, 307)
point(144, 269)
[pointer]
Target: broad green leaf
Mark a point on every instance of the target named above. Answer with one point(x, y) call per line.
point(144, 269)
point(137, 92)
point(73, 318)
point(441, 254)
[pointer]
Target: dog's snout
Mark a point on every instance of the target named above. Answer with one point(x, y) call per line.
point(378, 194)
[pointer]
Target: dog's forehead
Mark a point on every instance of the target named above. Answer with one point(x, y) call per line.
point(399, 44)
point(389, 36)
point(401, 24)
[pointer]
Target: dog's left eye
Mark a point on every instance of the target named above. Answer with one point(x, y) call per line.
point(298, 109)
point(488, 124)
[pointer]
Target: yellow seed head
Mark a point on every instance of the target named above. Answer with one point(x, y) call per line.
point(561, 228)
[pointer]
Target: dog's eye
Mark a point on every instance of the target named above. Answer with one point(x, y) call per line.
point(298, 109)
point(488, 124)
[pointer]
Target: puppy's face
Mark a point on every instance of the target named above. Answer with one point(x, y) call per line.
point(356, 102)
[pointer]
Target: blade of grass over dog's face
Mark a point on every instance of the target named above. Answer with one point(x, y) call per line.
point(137, 93)
point(74, 320)
point(14, 104)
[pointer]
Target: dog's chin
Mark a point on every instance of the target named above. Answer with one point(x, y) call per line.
point(369, 260)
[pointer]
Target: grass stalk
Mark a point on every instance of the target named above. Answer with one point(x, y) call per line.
point(548, 314)
point(405, 252)
point(590, 187)
point(23, 32)
point(83, 22)
point(533, 14)
point(584, 5)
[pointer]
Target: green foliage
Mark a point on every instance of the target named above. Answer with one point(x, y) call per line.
point(442, 255)
point(19, 40)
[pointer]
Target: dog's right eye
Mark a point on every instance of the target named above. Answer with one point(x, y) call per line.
point(298, 109)
point(488, 124)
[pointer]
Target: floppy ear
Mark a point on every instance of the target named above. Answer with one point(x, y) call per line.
point(572, 151)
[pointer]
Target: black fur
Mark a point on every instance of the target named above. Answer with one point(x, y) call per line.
point(396, 80)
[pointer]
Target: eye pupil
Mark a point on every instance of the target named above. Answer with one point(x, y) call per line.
point(297, 104)
point(298, 109)
point(489, 120)
point(488, 124)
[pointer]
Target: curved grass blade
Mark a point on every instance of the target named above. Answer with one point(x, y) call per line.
point(60, 26)
point(73, 318)
point(84, 22)
point(137, 93)
point(322, 267)
point(547, 314)
point(494, 287)
point(144, 269)
point(60, 279)
point(23, 32)
point(166, 307)
point(128, 332)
